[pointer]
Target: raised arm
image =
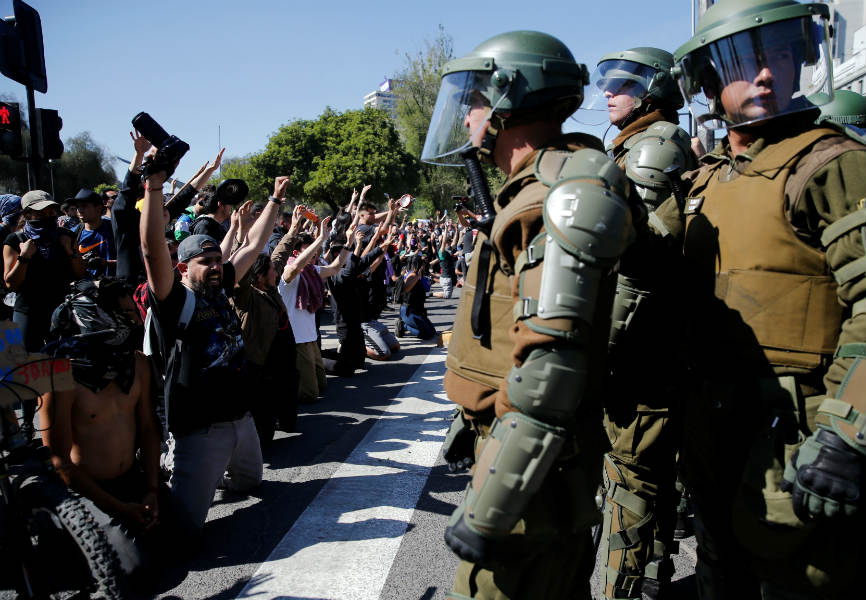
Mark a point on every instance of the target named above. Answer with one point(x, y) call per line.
point(157, 260)
point(309, 254)
point(261, 229)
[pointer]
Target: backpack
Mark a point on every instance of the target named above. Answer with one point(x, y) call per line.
point(154, 347)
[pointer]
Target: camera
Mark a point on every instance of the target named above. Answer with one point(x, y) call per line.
point(169, 148)
point(460, 203)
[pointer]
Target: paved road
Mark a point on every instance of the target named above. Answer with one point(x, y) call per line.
point(354, 504)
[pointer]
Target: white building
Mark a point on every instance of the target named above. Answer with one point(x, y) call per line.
point(383, 98)
point(848, 44)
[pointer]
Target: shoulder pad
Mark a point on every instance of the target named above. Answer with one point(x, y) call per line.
point(598, 166)
point(654, 150)
point(586, 212)
point(549, 163)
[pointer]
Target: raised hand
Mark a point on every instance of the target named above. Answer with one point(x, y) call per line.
point(139, 143)
point(324, 227)
point(280, 185)
point(216, 162)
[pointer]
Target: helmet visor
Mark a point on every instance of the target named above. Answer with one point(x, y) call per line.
point(459, 117)
point(758, 74)
point(613, 78)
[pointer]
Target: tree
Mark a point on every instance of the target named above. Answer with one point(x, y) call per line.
point(417, 86)
point(242, 168)
point(327, 157)
point(84, 164)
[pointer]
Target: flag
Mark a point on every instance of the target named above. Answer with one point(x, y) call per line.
point(385, 86)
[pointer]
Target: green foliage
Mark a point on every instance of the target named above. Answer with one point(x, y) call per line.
point(242, 168)
point(417, 86)
point(329, 156)
point(422, 208)
point(104, 186)
point(84, 164)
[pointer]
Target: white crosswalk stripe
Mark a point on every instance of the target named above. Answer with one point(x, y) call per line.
point(343, 545)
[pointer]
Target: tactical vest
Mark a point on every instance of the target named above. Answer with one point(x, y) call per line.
point(480, 347)
point(738, 231)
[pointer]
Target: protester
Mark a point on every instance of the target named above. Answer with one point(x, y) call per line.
point(413, 292)
point(39, 264)
point(270, 347)
point(95, 239)
point(206, 384)
point(103, 437)
point(302, 289)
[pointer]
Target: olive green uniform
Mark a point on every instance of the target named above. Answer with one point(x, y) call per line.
point(773, 293)
point(550, 549)
point(642, 420)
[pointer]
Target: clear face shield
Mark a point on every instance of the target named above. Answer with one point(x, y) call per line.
point(460, 116)
point(613, 87)
point(757, 74)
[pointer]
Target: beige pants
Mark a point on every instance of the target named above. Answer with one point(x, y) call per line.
point(311, 372)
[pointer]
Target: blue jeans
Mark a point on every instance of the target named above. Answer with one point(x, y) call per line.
point(418, 325)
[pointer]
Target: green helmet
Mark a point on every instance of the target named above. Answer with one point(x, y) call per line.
point(754, 60)
point(643, 73)
point(845, 108)
point(516, 77)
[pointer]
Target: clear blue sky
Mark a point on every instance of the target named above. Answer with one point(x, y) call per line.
point(248, 67)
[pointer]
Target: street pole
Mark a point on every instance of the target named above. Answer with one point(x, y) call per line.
point(51, 163)
point(35, 136)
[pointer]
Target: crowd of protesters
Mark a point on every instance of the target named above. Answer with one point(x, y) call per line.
point(171, 305)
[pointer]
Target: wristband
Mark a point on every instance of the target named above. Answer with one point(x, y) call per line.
point(275, 200)
point(23, 259)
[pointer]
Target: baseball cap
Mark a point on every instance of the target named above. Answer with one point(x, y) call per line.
point(196, 245)
point(37, 200)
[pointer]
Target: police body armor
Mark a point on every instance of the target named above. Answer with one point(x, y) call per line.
point(635, 543)
point(758, 266)
point(565, 285)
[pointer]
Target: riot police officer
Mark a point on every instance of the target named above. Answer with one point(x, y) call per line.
point(846, 108)
point(527, 352)
point(641, 97)
point(772, 234)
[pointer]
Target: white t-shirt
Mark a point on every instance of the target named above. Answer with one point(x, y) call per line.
point(303, 321)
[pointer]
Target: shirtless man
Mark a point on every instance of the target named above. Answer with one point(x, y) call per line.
point(94, 430)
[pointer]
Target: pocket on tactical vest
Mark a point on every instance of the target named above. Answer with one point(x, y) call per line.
point(796, 318)
point(486, 364)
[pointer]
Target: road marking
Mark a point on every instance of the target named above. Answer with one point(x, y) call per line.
point(342, 546)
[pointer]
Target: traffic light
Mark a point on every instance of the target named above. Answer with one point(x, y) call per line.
point(22, 54)
point(10, 129)
point(48, 144)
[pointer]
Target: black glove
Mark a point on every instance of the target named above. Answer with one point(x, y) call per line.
point(459, 446)
point(825, 477)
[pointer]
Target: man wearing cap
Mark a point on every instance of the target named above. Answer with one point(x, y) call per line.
point(39, 262)
point(206, 395)
point(95, 241)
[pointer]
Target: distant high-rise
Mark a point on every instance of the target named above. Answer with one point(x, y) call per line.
point(848, 46)
point(383, 98)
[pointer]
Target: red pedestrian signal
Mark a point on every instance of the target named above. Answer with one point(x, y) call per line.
point(10, 129)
